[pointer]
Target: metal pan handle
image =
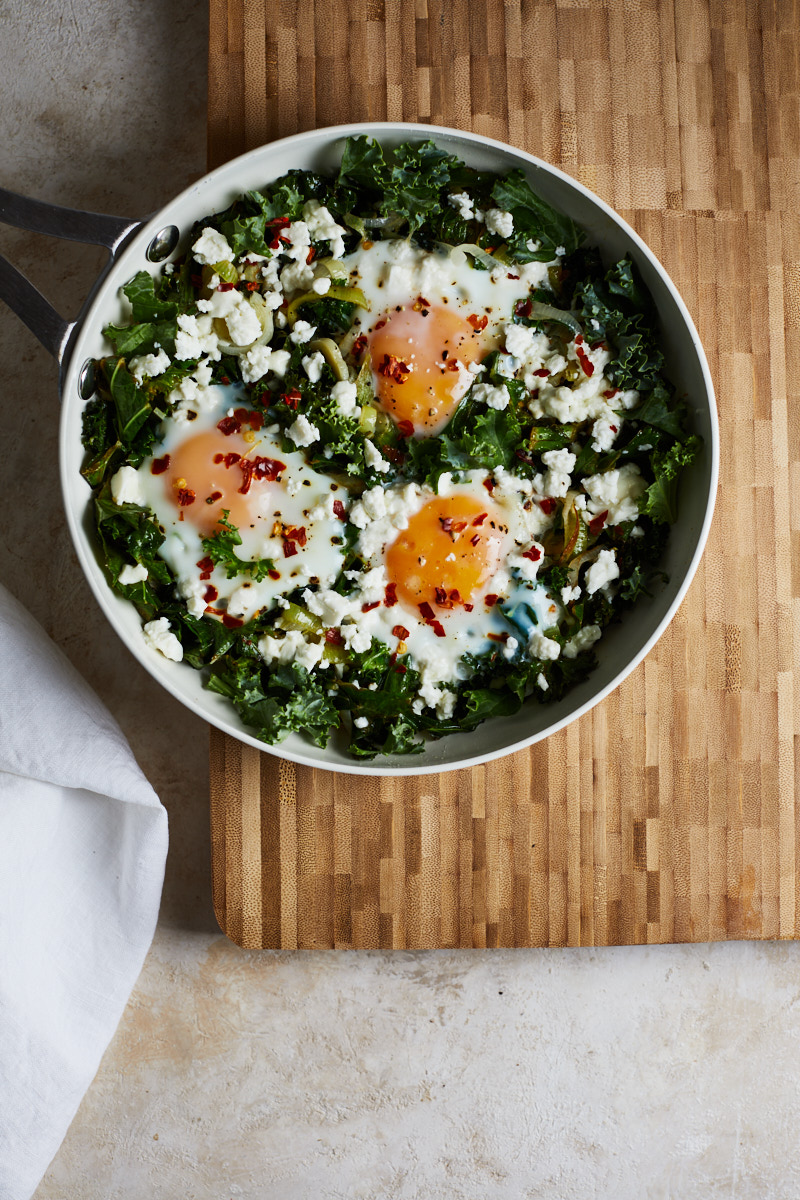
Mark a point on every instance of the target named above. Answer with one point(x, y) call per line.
point(96, 229)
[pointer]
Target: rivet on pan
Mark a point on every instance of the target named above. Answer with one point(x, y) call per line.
point(163, 243)
point(86, 380)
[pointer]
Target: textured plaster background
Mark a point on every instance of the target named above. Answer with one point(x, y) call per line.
point(630, 1073)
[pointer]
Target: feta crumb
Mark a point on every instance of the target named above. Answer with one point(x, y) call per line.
point(344, 396)
point(463, 204)
point(582, 640)
point(360, 722)
point(559, 464)
point(605, 430)
point(492, 397)
point(510, 647)
point(500, 222)
point(132, 574)
point(374, 458)
point(260, 360)
point(302, 432)
point(313, 364)
point(303, 331)
point(603, 571)
point(568, 594)
point(126, 487)
point(212, 247)
point(560, 251)
point(541, 682)
point(321, 285)
point(148, 366)
point(542, 647)
point(158, 636)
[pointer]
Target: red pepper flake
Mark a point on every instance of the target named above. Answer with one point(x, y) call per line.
point(295, 533)
point(489, 484)
point(609, 395)
point(452, 364)
point(289, 549)
point(210, 594)
point(421, 303)
point(273, 574)
point(510, 276)
point(258, 468)
point(218, 458)
point(379, 324)
point(186, 497)
point(441, 596)
point(224, 379)
point(255, 420)
point(477, 322)
point(359, 345)
point(534, 554)
point(426, 610)
point(334, 637)
point(473, 541)
point(451, 525)
point(291, 399)
point(232, 622)
point(228, 425)
point(159, 465)
point(490, 600)
point(542, 372)
point(584, 360)
point(548, 505)
point(311, 254)
point(498, 637)
point(251, 285)
point(369, 607)
point(438, 628)
point(278, 224)
point(393, 454)
point(339, 510)
point(213, 498)
point(390, 595)
point(393, 658)
point(406, 428)
point(223, 286)
point(400, 632)
point(523, 308)
point(579, 340)
point(480, 519)
point(400, 669)
point(597, 523)
point(394, 368)
point(206, 566)
point(468, 607)
point(231, 459)
point(613, 428)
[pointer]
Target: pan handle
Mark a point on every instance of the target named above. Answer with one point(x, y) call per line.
point(96, 229)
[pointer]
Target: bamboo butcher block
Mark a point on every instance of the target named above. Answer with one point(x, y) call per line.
point(668, 813)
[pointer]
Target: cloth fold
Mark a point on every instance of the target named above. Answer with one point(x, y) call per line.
point(83, 842)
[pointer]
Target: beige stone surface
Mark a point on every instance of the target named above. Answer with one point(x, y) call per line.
point(631, 1073)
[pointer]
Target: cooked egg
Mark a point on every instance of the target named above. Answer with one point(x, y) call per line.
point(430, 319)
point(225, 467)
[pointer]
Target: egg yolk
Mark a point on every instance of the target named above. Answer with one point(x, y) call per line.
point(419, 361)
point(206, 475)
point(449, 551)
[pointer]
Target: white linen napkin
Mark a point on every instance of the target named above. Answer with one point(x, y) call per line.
point(83, 841)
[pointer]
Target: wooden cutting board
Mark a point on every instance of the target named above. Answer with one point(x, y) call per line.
point(668, 813)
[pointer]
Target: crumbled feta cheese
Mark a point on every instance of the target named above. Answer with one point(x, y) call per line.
point(616, 492)
point(330, 607)
point(605, 430)
point(297, 277)
point(603, 571)
point(500, 222)
point(360, 722)
point(355, 638)
point(237, 312)
point(568, 594)
point(559, 465)
point(303, 331)
point(510, 648)
point(132, 574)
point(321, 285)
point(374, 458)
point(212, 247)
point(463, 204)
point(148, 366)
point(344, 395)
point(158, 636)
point(126, 487)
point(302, 432)
point(582, 640)
point(541, 682)
point(192, 590)
point(322, 227)
point(258, 361)
point(542, 647)
point(492, 397)
point(560, 251)
point(196, 337)
point(313, 364)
